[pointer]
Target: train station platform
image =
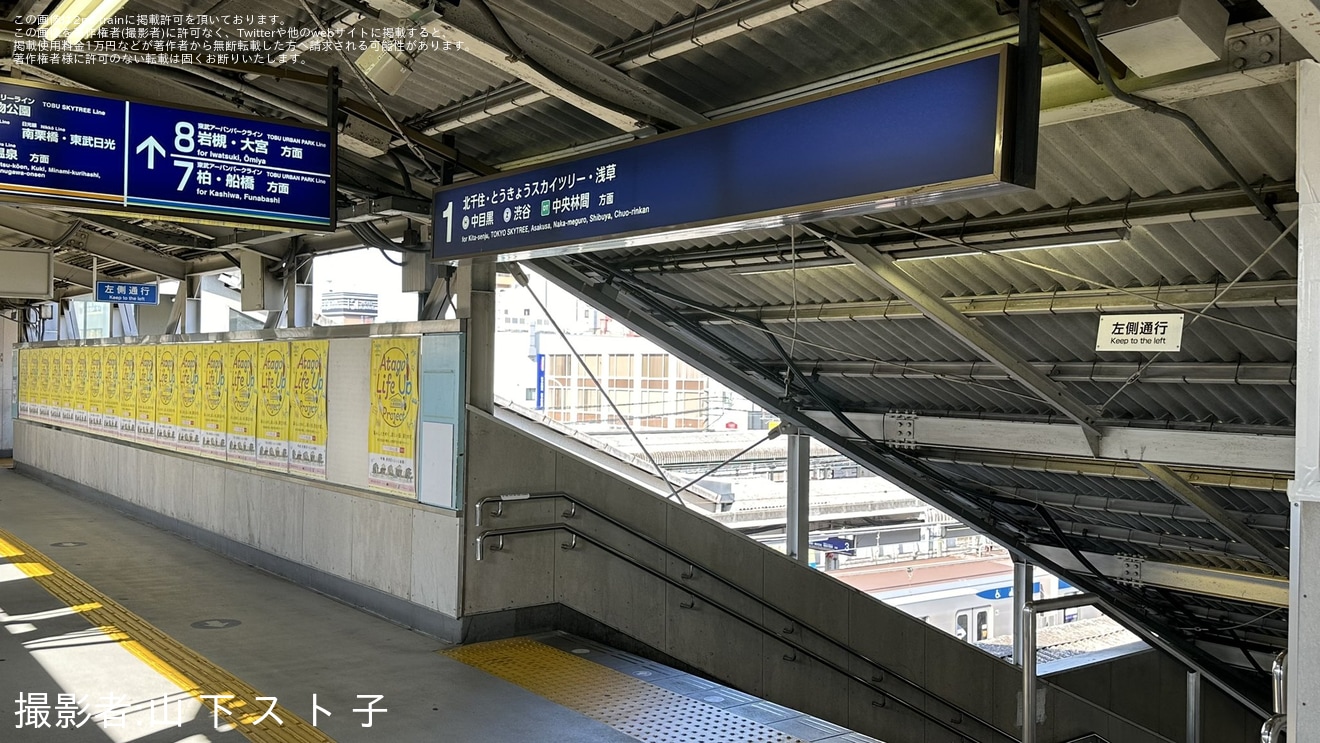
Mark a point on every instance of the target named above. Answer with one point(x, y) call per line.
point(116, 630)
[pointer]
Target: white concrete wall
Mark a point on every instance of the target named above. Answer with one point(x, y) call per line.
point(399, 547)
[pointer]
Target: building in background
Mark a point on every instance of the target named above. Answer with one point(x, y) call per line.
point(536, 369)
point(349, 308)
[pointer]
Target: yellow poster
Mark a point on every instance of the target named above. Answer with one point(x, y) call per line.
point(167, 396)
point(307, 426)
point(80, 354)
point(215, 401)
point(41, 372)
point(392, 425)
point(127, 406)
point(190, 398)
point(50, 366)
point(95, 388)
point(146, 394)
point(241, 374)
point(68, 385)
point(24, 384)
point(110, 391)
point(273, 406)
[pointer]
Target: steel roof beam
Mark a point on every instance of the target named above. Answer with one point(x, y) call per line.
point(558, 69)
point(1228, 522)
point(1258, 481)
point(882, 269)
point(159, 237)
point(1142, 508)
point(1043, 223)
point(53, 232)
point(1208, 449)
point(1301, 19)
point(1234, 585)
point(1244, 295)
point(1264, 373)
point(688, 33)
point(1170, 542)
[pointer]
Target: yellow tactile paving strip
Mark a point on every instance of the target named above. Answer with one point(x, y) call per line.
point(644, 711)
point(173, 660)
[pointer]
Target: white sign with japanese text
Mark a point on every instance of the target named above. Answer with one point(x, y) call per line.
point(1160, 331)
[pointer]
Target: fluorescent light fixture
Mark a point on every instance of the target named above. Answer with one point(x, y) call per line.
point(1064, 240)
point(80, 18)
point(92, 23)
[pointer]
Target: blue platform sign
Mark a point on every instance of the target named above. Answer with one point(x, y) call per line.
point(834, 544)
point(101, 153)
point(121, 293)
point(906, 140)
point(1005, 592)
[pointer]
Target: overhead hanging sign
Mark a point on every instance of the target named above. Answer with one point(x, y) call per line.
point(909, 139)
point(121, 293)
point(98, 152)
point(1160, 331)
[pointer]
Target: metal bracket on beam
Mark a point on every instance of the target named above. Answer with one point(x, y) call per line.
point(1130, 567)
point(901, 430)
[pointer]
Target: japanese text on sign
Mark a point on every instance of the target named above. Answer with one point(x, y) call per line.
point(1141, 333)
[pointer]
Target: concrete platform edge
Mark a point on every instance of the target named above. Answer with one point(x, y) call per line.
point(392, 608)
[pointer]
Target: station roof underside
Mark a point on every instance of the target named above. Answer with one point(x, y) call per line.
point(1191, 451)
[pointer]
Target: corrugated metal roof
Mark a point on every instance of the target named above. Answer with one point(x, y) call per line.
point(835, 38)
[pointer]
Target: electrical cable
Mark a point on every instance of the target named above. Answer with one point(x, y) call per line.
point(1146, 104)
point(368, 85)
point(774, 433)
point(520, 276)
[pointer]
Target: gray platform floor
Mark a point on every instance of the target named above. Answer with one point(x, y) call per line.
point(291, 643)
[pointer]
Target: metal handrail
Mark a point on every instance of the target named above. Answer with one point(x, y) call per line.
point(499, 500)
point(1280, 675)
point(691, 604)
point(1274, 728)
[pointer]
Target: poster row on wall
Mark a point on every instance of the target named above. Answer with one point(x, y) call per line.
point(261, 404)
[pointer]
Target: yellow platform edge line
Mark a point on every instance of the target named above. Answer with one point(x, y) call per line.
point(599, 692)
point(178, 663)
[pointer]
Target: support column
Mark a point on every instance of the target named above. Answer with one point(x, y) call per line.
point(1193, 707)
point(1023, 582)
point(8, 337)
point(798, 522)
point(475, 302)
point(1304, 495)
point(1028, 673)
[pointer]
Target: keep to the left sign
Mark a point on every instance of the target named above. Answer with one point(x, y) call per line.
point(64, 148)
point(122, 293)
